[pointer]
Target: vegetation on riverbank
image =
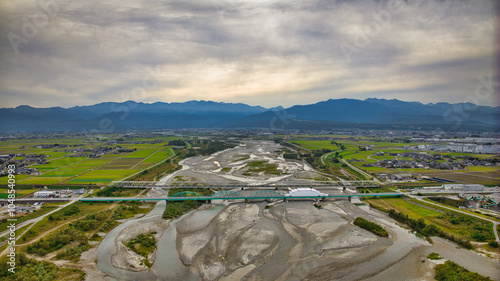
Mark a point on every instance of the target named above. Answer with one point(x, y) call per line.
point(177, 208)
point(371, 226)
point(450, 271)
point(30, 269)
point(143, 244)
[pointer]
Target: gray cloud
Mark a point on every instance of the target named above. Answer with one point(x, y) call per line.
point(259, 52)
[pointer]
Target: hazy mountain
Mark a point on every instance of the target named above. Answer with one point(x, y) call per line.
point(376, 111)
point(191, 114)
point(340, 113)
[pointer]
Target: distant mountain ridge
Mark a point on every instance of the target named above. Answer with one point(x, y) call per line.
point(338, 113)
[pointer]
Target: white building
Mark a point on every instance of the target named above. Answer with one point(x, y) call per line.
point(44, 194)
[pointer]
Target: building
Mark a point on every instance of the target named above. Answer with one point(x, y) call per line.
point(79, 191)
point(402, 177)
point(64, 193)
point(452, 186)
point(24, 209)
point(44, 194)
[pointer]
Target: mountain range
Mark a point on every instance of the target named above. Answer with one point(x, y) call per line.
point(330, 114)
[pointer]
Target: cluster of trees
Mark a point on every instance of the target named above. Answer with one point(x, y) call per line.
point(339, 145)
point(91, 222)
point(423, 228)
point(210, 147)
point(319, 153)
point(122, 210)
point(143, 244)
point(371, 226)
point(71, 210)
point(178, 142)
point(31, 270)
point(290, 156)
point(452, 271)
point(74, 253)
point(175, 209)
point(109, 191)
point(57, 241)
point(447, 201)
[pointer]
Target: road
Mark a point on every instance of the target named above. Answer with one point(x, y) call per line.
point(360, 171)
point(495, 223)
point(326, 155)
point(35, 220)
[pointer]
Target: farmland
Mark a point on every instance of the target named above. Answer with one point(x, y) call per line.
point(83, 161)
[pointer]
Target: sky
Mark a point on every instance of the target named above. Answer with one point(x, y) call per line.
point(269, 53)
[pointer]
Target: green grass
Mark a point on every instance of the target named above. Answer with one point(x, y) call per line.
point(141, 153)
point(46, 224)
point(4, 180)
point(463, 210)
point(102, 176)
point(460, 225)
point(482, 169)
point(316, 145)
point(44, 180)
point(450, 271)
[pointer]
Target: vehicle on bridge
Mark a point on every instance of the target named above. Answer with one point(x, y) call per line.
point(300, 192)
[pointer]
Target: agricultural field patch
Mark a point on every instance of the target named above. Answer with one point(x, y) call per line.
point(70, 171)
point(316, 145)
point(467, 177)
point(122, 163)
point(141, 153)
point(58, 163)
point(495, 169)
point(102, 176)
point(4, 180)
point(43, 180)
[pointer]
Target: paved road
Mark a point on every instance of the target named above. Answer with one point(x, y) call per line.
point(35, 220)
point(495, 223)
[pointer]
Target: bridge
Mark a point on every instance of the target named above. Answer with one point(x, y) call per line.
point(235, 185)
point(232, 195)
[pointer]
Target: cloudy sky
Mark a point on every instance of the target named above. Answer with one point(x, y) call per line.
point(259, 52)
